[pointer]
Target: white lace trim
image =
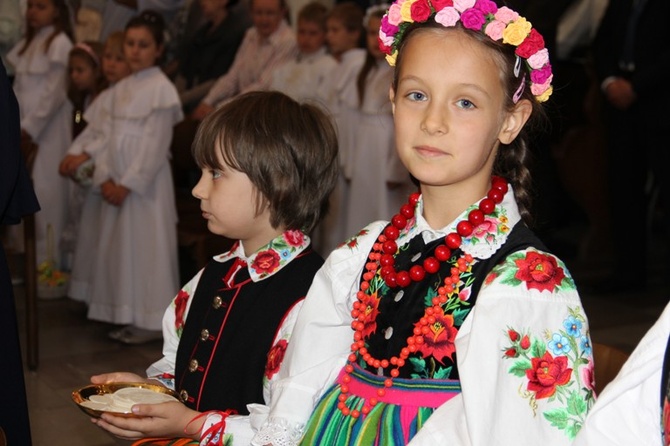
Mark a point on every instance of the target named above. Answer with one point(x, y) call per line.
point(279, 432)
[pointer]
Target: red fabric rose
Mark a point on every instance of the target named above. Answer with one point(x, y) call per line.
point(275, 358)
point(371, 310)
point(294, 238)
point(539, 271)
point(265, 262)
point(546, 373)
point(180, 308)
point(439, 5)
point(533, 43)
point(420, 10)
point(525, 342)
point(513, 335)
point(439, 341)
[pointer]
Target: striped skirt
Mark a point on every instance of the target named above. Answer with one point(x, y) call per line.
point(393, 421)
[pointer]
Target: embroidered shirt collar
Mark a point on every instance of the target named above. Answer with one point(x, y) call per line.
point(486, 239)
point(272, 257)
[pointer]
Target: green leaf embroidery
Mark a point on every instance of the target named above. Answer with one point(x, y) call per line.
point(519, 368)
point(557, 417)
point(576, 404)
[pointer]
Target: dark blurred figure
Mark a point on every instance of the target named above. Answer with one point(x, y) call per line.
point(632, 60)
point(17, 199)
point(551, 201)
point(208, 52)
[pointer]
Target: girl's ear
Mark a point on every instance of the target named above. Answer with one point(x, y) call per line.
point(392, 99)
point(515, 120)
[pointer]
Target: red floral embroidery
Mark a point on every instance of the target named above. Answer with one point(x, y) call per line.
point(539, 271)
point(666, 422)
point(546, 373)
point(180, 308)
point(275, 358)
point(294, 238)
point(371, 303)
point(438, 341)
point(265, 262)
point(588, 377)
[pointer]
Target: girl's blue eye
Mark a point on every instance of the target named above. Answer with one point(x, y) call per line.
point(416, 96)
point(464, 103)
point(215, 174)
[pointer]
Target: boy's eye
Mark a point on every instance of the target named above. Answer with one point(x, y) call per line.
point(215, 174)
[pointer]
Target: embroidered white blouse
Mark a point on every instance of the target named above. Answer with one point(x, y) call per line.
point(524, 354)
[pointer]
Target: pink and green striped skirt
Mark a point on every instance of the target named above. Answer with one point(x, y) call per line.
point(393, 421)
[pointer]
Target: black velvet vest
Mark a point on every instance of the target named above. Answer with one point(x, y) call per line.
point(229, 331)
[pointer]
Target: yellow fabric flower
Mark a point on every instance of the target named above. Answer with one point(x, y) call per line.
point(390, 58)
point(406, 11)
point(515, 32)
point(544, 96)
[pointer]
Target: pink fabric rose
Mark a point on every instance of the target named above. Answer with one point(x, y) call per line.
point(486, 6)
point(540, 76)
point(394, 15)
point(488, 225)
point(387, 28)
point(538, 89)
point(506, 15)
point(495, 29)
point(473, 19)
point(462, 5)
point(539, 59)
point(385, 40)
point(447, 17)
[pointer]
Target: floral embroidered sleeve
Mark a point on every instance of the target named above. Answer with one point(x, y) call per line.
point(173, 324)
point(524, 359)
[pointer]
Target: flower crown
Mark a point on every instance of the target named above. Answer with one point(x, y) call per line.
point(500, 24)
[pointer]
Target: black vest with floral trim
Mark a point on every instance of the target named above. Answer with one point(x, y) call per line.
point(228, 334)
point(401, 308)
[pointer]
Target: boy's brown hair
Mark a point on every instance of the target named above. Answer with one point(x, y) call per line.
point(350, 15)
point(314, 12)
point(287, 149)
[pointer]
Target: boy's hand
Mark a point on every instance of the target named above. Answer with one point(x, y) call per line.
point(116, 377)
point(154, 420)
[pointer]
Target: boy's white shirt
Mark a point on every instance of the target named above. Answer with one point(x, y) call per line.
point(628, 411)
point(242, 427)
point(304, 78)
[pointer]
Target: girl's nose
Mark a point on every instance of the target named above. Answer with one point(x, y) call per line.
point(434, 120)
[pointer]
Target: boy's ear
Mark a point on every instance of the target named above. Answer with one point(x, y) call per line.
point(514, 121)
point(391, 98)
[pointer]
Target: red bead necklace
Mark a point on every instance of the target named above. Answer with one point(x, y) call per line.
point(382, 259)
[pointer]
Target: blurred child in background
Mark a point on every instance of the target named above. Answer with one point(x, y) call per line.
point(136, 248)
point(304, 78)
point(79, 165)
point(40, 63)
point(374, 192)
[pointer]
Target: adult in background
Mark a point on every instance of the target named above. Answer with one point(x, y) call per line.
point(17, 199)
point(267, 45)
point(632, 60)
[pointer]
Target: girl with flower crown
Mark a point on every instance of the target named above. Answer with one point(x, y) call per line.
point(450, 324)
